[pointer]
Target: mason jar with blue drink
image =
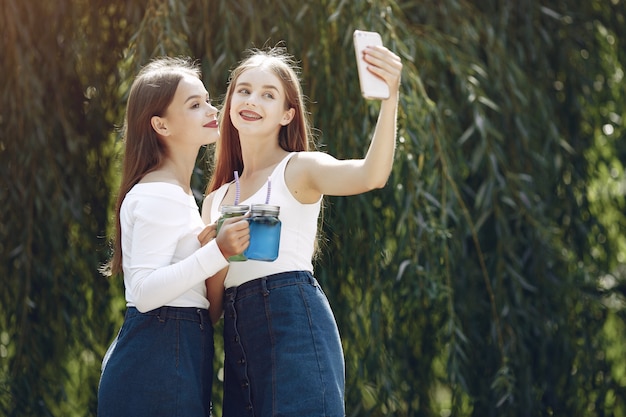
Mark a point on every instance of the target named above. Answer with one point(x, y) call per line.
point(232, 211)
point(264, 233)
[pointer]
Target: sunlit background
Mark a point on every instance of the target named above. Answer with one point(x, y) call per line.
point(486, 279)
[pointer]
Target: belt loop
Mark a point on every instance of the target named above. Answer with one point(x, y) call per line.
point(312, 279)
point(199, 311)
point(264, 286)
point(162, 314)
point(232, 294)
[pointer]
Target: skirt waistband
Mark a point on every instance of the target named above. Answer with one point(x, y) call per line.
point(269, 282)
point(195, 314)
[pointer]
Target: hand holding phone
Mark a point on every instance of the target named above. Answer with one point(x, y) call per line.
point(372, 87)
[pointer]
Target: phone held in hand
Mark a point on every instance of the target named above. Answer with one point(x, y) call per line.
point(372, 87)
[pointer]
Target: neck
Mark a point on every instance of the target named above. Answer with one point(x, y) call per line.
point(259, 155)
point(178, 168)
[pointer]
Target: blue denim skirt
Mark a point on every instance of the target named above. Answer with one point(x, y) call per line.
point(283, 354)
point(160, 364)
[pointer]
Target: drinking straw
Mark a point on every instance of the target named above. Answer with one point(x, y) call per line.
point(237, 192)
point(269, 190)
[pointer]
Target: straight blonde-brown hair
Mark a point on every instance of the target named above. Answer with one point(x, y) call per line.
point(150, 95)
point(294, 137)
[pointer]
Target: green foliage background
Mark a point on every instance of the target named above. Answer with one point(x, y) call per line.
point(486, 279)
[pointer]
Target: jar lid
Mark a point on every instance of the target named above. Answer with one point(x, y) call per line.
point(264, 210)
point(238, 209)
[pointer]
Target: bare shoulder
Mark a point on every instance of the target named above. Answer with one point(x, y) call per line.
point(304, 166)
point(303, 172)
point(310, 160)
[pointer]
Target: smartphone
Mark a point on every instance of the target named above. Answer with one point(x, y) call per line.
point(372, 87)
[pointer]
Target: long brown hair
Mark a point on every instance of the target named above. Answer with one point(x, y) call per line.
point(294, 137)
point(150, 95)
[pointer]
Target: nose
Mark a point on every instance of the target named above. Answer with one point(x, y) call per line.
point(250, 99)
point(211, 109)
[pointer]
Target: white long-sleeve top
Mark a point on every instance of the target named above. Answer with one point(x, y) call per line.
point(162, 260)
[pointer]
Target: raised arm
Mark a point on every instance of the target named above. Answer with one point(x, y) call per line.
point(316, 173)
point(379, 158)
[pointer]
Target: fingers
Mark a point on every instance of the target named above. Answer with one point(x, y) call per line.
point(234, 236)
point(385, 64)
point(207, 234)
point(381, 56)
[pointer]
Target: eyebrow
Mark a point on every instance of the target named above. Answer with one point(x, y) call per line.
point(193, 97)
point(267, 86)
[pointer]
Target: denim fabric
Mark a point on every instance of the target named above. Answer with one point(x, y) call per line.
point(160, 364)
point(283, 355)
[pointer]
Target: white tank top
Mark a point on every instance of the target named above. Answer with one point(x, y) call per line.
point(297, 235)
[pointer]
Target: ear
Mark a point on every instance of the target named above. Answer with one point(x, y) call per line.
point(288, 116)
point(159, 125)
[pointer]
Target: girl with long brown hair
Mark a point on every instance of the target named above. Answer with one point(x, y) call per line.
point(160, 363)
point(283, 353)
